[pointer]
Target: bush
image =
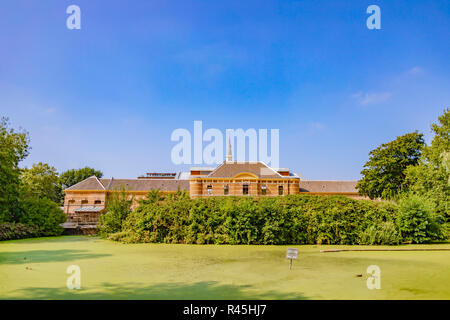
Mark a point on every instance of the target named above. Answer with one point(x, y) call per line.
point(43, 215)
point(117, 210)
point(11, 231)
point(384, 233)
point(416, 219)
point(293, 219)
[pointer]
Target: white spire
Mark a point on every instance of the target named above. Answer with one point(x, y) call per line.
point(229, 156)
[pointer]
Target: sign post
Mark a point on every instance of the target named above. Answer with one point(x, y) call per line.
point(291, 254)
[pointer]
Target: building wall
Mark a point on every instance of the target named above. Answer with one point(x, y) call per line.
point(83, 198)
point(75, 199)
point(199, 187)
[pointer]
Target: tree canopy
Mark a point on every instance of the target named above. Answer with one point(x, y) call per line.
point(14, 147)
point(42, 181)
point(431, 176)
point(384, 174)
point(70, 177)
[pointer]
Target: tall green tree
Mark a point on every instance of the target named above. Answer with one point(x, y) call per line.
point(385, 172)
point(14, 147)
point(42, 181)
point(70, 177)
point(431, 177)
point(117, 210)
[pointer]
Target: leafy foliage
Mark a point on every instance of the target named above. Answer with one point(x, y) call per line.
point(71, 177)
point(384, 174)
point(42, 181)
point(431, 177)
point(293, 219)
point(14, 147)
point(117, 210)
point(384, 233)
point(38, 218)
point(416, 219)
point(11, 231)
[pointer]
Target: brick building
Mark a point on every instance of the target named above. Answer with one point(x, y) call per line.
point(86, 200)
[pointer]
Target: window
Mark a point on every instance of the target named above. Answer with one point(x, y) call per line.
point(209, 189)
point(226, 189)
point(280, 190)
point(98, 201)
point(71, 201)
point(84, 201)
point(245, 189)
point(263, 190)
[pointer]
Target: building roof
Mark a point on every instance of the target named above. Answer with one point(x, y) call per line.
point(145, 185)
point(328, 186)
point(89, 209)
point(202, 168)
point(229, 169)
point(131, 184)
point(91, 183)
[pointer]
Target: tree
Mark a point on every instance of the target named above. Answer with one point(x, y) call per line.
point(70, 177)
point(117, 210)
point(431, 177)
point(14, 147)
point(385, 172)
point(417, 220)
point(43, 215)
point(42, 181)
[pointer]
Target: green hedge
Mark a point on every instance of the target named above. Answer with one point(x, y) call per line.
point(293, 219)
point(39, 217)
point(11, 231)
point(44, 215)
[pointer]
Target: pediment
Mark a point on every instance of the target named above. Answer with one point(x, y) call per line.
point(245, 175)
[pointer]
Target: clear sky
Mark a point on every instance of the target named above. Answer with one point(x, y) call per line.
point(110, 95)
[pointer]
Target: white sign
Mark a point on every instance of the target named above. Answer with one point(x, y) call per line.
point(292, 253)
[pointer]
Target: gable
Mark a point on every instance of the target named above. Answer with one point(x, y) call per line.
point(91, 183)
point(251, 169)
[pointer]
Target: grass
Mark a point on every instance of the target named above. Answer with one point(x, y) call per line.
point(112, 270)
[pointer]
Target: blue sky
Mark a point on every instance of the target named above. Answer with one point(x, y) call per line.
point(110, 95)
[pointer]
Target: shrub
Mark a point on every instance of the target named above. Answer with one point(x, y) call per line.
point(42, 214)
point(293, 219)
point(384, 233)
point(416, 219)
point(117, 210)
point(11, 231)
